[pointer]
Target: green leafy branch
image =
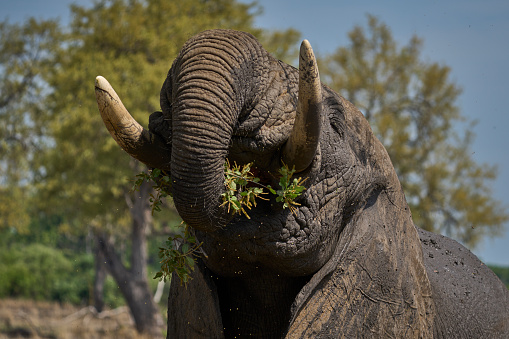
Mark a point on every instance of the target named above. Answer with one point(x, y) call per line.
point(179, 255)
point(290, 189)
point(181, 250)
point(238, 194)
point(162, 186)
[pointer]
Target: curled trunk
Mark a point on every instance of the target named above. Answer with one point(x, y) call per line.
point(206, 91)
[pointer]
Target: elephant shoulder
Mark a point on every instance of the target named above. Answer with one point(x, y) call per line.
point(470, 300)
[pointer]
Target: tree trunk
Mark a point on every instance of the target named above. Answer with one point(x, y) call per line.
point(133, 282)
point(100, 276)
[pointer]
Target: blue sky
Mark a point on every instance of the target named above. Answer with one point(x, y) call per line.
point(469, 36)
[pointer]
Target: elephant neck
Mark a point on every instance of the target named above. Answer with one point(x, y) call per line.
point(258, 305)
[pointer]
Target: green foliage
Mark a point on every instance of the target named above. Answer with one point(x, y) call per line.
point(25, 52)
point(40, 272)
point(290, 189)
point(162, 186)
point(238, 194)
point(43, 230)
point(13, 212)
point(502, 273)
point(241, 187)
point(178, 255)
point(411, 107)
point(284, 45)
point(32, 271)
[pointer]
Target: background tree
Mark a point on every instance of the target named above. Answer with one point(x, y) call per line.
point(38, 261)
point(411, 107)
point(83, 176)
point(24, 52)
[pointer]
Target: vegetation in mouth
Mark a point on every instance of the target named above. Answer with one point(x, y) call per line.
point(242, 189)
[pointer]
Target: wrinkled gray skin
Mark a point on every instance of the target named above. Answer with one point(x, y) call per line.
point(348, 262)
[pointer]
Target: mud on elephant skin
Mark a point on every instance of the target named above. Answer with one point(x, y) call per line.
point(349, 261)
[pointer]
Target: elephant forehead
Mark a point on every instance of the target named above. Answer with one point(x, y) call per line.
point(274, 103)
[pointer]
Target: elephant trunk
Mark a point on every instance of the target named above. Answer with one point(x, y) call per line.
point(199, 149)
point(206, 91)
point(198, 178)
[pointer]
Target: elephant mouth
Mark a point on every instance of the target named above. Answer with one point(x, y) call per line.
point(294, 243)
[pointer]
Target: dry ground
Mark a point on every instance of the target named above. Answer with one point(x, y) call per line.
point(30, 319)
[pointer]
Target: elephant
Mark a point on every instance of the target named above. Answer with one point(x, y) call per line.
point(348, 261)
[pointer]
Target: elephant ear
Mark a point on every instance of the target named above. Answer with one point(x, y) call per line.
point(375, 284)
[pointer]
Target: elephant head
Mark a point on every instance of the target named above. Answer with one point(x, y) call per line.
point(225, 97)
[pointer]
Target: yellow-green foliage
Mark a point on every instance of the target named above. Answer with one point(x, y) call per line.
point(411, 106)
point(132, 43)
point(289, 189)
point(179, 255)
point(237, 193)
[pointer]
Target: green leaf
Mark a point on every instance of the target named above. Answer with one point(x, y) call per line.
point(190, 262)
point(236, 205)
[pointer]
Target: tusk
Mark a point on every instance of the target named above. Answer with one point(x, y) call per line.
point(129, 134)
point(301, 147)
